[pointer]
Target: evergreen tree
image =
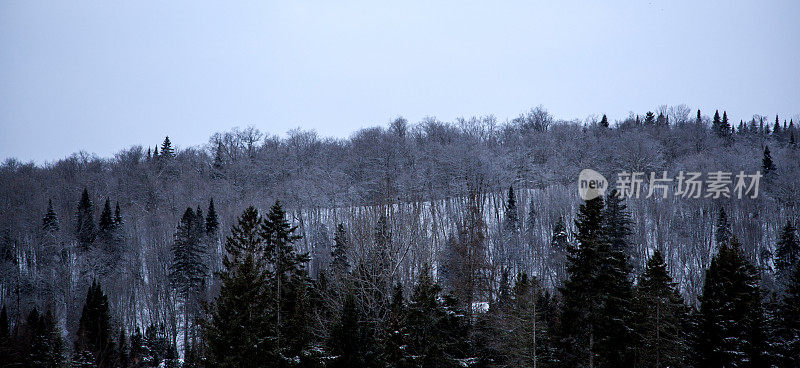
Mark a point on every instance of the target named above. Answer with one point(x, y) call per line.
point(106, 223)
point(729, 321)
point(212, 219)
point(50, 220)
point(525, 337)
point(595, 327)
point(429, 331)
point(123, 357)
point(167, 151)
point(85, 221)
point(787, 251)
point(117, 217)
point(604, 121)
point(617, 222)
point(291, 283)
point(649, 118)
point(788, 330)
point(340, 264)
point(188, 270)
point(699, 119)
point(93, 336)
point(660, 316)
point(511, 233)
point(6, 346)
point(239, 331)
point(777, 132)
point(396, 335)
point(345, 337)
point(662, 120)
point(766, 163)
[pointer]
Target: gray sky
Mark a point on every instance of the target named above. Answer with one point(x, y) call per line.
point(100, 76)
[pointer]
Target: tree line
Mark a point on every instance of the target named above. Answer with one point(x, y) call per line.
point(375, 213)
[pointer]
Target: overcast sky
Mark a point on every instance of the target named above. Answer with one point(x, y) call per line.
point(101, 76)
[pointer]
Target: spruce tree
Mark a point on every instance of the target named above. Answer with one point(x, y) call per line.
point(595, 328)
point(188, 270)
point(617, 222)
point(729, 321)
point(777, 132)
point(660, 316)
point(212, 219)
point(429, 332)
point(604, 121)
point(290, 280)
point(511, 233)
point(117, 217)
point(788, 329)
point(766, 163)
point(787, 251)
point(93, 336)
point(167, 151)
point(525, 332)
point(649, 118)
point(50, 220)
point(340, 264)
point(240, 330)
point(344, 341)
point(395, 344)
point(123, 355)
point(576, 336)
point(106, 223)
point(84, 229)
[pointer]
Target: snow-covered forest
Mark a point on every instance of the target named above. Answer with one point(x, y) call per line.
point(427, 244)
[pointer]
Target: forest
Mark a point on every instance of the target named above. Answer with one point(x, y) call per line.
point(428, 244)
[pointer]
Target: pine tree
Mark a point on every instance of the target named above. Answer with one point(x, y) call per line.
point(699, 118)
point(660, 316)
point(167, 151)
point(766, 163)
point(604, 121)
point(50, 220)
point(93, 336)
point(212, 219)
point(729, 320)
point(240, 331)
point(85, 221)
